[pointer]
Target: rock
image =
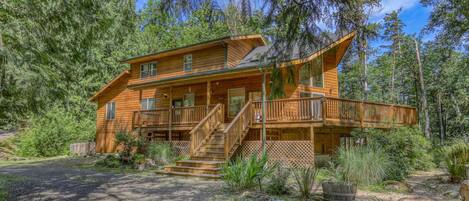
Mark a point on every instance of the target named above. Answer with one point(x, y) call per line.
point(464, 190)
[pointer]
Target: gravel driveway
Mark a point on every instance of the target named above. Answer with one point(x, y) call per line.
point(62, 179)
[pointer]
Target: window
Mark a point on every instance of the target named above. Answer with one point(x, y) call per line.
point(148, 104)
point(111, 110)
point(305, 94)
point(189, 100)
point(147, 70)
point(311, 73)
point(236, 99)
point(188, 62)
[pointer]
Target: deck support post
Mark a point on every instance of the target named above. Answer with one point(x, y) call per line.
point(311, 132)
point(263, 131)
point(170, 114)
point(209, 95)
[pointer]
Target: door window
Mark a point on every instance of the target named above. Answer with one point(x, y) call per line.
point(236, 98)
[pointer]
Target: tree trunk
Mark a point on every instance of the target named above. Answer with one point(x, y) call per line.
point(459, 117)
point(423, 97)
point(440, 118)
point(393, 78)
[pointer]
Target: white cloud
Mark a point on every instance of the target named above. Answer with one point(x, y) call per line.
point(390, 5)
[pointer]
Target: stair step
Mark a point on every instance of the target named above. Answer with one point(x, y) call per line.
point(208, 176)
point(195, 170)
point(200, 163)
point(212, 149)
point(208, 158)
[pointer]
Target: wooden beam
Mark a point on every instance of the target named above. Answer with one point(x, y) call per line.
point(311, 132)
point(170, 115)
point(209, 93)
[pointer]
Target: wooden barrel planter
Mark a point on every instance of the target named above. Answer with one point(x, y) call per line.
point(339, 191)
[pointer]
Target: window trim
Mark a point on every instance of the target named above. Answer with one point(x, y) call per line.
point(148, 63)
point(147, 100)
point(111, 104)
point(185, 61)
point(229, 97)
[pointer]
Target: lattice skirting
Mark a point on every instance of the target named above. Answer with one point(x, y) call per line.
point(287, 153)
point(181, 147)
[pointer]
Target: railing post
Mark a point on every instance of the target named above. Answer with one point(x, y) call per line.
point(324, 109)
point(392, 116)
point(362, 114)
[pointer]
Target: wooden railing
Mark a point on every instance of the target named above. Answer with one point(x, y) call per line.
point(237, 129)
point(179, 116)
point(284, 110)
point(202, 131)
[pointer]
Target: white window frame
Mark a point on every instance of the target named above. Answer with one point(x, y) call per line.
point(151, 73)
point(187, 63)
point(111, 107)
point(311, 81)
point(148, 105)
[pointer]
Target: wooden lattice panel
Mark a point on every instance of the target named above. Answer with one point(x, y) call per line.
point(287, 153)
point(181, 147)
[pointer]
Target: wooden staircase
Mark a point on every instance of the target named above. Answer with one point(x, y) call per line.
point(212, 144)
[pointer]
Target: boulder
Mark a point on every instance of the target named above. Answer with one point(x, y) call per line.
point(464, 190)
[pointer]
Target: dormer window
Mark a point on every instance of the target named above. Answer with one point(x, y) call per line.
point(187, 62)
point(147, 70)
point(311, 73)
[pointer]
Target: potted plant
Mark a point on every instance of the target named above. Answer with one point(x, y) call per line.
point(139, 161)
point(338, 188)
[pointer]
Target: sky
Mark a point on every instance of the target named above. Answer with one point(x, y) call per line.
point(413, 14)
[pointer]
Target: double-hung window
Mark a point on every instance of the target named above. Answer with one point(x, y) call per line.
point(111, 110)
point(187, 62)
point(148, 104)
point(311, 74)
point(147, 70)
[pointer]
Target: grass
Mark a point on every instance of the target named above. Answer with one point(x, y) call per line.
point(29, 161)
point(5, 182)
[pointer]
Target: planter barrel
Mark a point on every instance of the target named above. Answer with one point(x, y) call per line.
point(339, 191)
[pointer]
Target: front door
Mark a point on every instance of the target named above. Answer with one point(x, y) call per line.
point(313, 107)
point(236, 99)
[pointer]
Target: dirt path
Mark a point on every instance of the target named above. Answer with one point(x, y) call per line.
point(59, 180)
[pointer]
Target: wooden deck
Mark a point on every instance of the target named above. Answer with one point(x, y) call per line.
point(285, 113)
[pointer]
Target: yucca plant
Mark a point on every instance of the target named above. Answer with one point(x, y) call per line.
point(305, 178)
point(456, 157)
point(362, 165)
point(244, 173)
point(278, 181)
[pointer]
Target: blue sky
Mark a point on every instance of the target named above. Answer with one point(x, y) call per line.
point(413, 14)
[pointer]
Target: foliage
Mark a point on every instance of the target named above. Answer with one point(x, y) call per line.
point(456, 157)
point(128, 142)
point(406, 147)
point(52, 134)
point(362, 165)
point(305, 178)
point(110, 161)
point(138, 159)
point(161, 153)
point(278, 181)
point(243, 173)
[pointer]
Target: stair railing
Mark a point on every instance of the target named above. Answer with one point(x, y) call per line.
point(235, 132)
point(202, 131)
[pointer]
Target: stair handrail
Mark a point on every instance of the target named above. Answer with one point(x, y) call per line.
point(202, 131)
point(235, 132)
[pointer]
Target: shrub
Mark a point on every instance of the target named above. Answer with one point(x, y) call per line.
point(52, 133)
point(305, 178)
point(243, 173)
point(278, 181)
point(128, 143)
point(406, 147)
point(362, 165)
point(161, 153)
point(456, 157)
point(110, 161)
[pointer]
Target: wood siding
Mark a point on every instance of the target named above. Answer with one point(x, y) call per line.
point(237, 50)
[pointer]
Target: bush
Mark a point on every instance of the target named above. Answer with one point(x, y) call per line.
point(128, 142)
point(244, 173)
point(278, 181)
point(52, 133)
point(456, 157)
point(161, 153)
point(406, 147)
point(305, 178)
point(362, 165)
point(110, 161)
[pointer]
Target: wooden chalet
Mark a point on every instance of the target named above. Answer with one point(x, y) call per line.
point(205, 99)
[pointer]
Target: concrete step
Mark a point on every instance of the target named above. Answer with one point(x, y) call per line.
point(187, 174)
point(194, 170)
point(200, 163)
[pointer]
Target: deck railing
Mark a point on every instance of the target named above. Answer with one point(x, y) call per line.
point(179, 116)
point(237, 129)
point(202, 131)
point(284, 110)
